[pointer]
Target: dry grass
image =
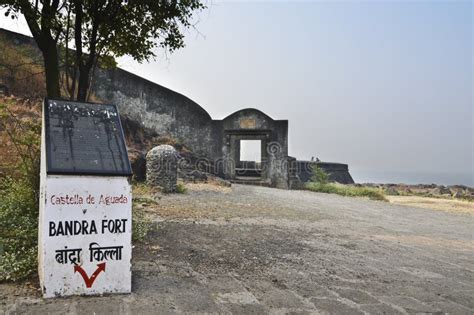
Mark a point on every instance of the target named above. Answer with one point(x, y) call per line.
point(449, 205)
point(210, 186)
point(20, 127)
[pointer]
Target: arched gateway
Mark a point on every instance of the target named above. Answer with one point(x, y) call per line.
point(271, 136)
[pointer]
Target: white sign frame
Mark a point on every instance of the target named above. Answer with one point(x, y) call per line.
point(84, 235)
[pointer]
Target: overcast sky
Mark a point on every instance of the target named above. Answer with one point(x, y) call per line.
point(383, 86)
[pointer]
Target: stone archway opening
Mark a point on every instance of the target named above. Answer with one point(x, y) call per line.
point(242, 162)
point(249, 163)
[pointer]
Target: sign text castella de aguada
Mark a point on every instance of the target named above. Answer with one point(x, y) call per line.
point(85, 201)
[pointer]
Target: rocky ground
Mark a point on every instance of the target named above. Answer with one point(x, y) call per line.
point(427, 190)
point(247, 249)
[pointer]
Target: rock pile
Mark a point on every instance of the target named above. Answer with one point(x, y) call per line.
point(427, 190)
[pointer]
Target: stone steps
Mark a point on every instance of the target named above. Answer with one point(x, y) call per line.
point(247, 180)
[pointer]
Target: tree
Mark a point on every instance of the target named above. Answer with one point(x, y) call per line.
point(96, 31)
point(44, 22)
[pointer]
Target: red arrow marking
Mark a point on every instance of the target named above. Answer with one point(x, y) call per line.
point(89, 281)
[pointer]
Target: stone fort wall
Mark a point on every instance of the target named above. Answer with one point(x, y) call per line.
point(172, 114)
point(155, 107)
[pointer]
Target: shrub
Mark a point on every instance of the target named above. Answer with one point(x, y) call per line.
point(346, 190)
point(319, 176)
point(180, 188)
point(141, 224)
point(20, 134)
point(18, 228)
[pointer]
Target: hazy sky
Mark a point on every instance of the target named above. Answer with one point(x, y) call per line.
point(383, 86)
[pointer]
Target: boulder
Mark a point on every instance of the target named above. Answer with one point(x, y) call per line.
point(440, 190)
point(162, 167)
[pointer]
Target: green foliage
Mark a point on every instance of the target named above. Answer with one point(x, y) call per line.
point(320, 183)
point(141, 224)
point(319, 176)
point(346, 190)
point(146, 200)
point(108, 29)
point(19, 193)
point(180, 188)
point(18, 228)
point(136, 28)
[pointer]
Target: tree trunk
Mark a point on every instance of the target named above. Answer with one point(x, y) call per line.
point(83, 83)
point(51, 67)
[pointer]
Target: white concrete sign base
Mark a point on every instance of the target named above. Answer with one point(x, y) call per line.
point(85, 233)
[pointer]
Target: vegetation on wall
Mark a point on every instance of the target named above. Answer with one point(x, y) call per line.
point(21, 69)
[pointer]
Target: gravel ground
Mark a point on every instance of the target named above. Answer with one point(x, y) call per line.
point(259, 250)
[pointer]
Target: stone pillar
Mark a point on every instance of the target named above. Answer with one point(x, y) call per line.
point(277, 165)
point(162, 167)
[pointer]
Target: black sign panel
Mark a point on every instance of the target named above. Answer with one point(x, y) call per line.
point(84, 139)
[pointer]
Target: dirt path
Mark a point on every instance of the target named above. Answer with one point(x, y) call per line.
point(259, 250)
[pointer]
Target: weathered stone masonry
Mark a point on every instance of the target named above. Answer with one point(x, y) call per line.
point(172, 114)
point(218, 141)
point(162, 167)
